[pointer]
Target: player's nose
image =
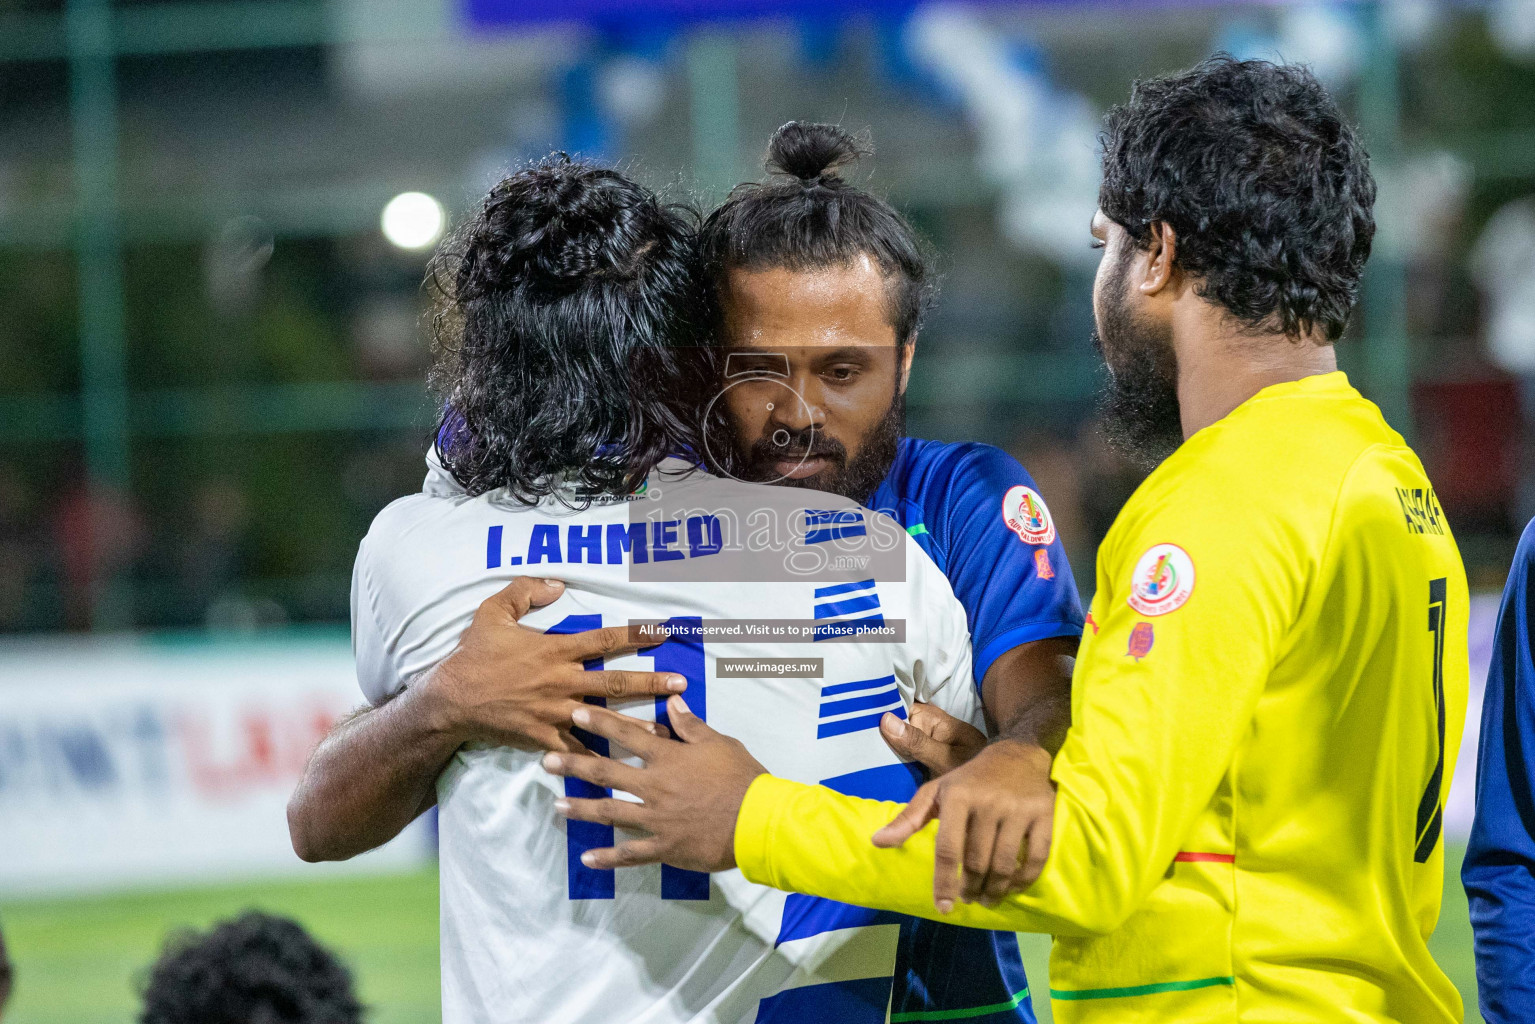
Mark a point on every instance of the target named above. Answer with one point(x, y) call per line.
point(798, 408)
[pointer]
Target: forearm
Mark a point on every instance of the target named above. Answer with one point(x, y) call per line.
point(1042, 723)
point(373, 775)
point(808, 839)
point(1027, 692)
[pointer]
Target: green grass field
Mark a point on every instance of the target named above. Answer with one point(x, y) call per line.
point(79, 960)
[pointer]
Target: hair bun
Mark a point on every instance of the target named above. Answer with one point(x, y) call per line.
point(813, 152)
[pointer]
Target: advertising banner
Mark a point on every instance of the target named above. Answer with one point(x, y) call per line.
point(159, 761)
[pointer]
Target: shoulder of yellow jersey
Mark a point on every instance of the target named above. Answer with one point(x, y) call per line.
point(1275, 469)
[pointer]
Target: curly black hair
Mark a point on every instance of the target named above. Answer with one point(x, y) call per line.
point(1265, 185)
point(807, 216)
point(254, 969)
point(570, 324)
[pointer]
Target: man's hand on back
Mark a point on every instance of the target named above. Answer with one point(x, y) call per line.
point(505, 684)
point(513, 686)
point(690, 790)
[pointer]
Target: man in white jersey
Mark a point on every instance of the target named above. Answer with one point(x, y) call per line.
point(817, 281)
point(796, 619)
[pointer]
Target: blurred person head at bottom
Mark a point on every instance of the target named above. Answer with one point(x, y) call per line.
point(7, 976)
point(254, 969)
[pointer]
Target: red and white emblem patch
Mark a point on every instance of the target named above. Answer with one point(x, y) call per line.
point(1163, 580)
point(1024, 512)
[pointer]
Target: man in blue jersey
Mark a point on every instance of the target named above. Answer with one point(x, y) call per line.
point(821, 290)
point(1499, 870)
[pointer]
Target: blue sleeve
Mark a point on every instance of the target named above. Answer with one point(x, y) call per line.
point(1499, 870)
point(1013, 580)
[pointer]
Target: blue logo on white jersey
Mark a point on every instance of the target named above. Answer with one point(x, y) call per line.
point(858, 705)
point(822, 526)
point(845, 609)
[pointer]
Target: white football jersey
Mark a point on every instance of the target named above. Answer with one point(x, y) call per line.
point(798, 619)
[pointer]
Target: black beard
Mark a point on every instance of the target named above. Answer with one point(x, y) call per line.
point(1138, 404)
point(855, 479)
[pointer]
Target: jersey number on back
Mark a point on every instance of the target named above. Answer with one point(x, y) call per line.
point(1430, 811)
point(682, 653)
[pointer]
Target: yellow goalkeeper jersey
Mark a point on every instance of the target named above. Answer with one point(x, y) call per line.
point(1266, 709)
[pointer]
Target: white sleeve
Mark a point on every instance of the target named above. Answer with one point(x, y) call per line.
point(944, 645)
point(376, 671)
point(408, 610)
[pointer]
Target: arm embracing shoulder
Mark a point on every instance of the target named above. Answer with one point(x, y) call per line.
point(376, 771)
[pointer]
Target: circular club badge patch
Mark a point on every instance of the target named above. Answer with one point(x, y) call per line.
point(1163, 581)
point(1024, 512)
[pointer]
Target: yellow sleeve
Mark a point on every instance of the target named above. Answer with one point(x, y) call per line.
point(814, 840)
point(1165, 688)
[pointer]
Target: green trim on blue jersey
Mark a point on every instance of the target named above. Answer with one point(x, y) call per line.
point(973, 1011)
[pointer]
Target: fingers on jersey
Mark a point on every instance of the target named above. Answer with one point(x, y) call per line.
point(630, 732)
point(922, 809)
point(600, 771)
point(943, 727)
point(906, 739)
point(689, 727)
point(980, 839)
point(524, 593)
point(625, 855)
point(616, 684)
point(603, 811)
point(939, 741)
point(611, 641)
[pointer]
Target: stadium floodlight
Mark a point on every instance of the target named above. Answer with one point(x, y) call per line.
point(413, 220)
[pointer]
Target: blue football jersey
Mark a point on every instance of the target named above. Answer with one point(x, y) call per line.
point(979, 516)
point(1499, 869)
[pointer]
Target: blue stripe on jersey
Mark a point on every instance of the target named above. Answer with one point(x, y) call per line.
point(861, 703)
point(823, 534)
point(682, 652)
point(842, 588)
point(804, 916)
point(837, 1002)
point(848, 725)
point(861, 684)
point(861, 603)
point(879, 693)
point(888, 782)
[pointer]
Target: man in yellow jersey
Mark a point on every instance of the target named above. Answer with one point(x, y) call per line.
point(1269, 695)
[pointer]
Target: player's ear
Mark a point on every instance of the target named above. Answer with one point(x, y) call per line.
point(1160, 258)
point(908, 353)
